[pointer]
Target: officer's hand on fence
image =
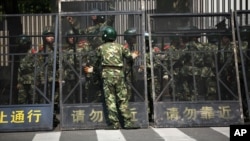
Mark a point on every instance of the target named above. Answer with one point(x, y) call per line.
point(88, 69)
point(165, 76)
point(141, 68)
point(135, 54)
point(126, 46)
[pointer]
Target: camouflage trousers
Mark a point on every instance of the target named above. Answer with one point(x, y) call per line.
point(92, 90)
point(70, 93)
point(25, 94)
point(117, 101)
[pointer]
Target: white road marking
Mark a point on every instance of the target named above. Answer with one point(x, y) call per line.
point(110, 135)
point(223, 130)
point(52, 136)
point(172, 134)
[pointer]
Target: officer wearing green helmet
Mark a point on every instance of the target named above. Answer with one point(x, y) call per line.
point(192, 65)
point(93, 30)
point(130, 38)
point(70, 38)
point(70, 65)
point(149, 78)
point(110, 58)
point(24, 42)
point(153, 42)
point(46, 69)
point(25, 76)
point(94, 40)
point(48, 37)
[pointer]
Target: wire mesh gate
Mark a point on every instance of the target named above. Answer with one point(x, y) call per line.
point(194, 77)
point(242, 34)
point(28, 76)
point(186, 92)
point(81, 105)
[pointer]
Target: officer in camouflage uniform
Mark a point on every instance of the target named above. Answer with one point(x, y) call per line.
point(226, 63)
point(130, 39)
point(156, 66)
point(193, 65)
point(25, 72)
point(72, 58)
point(94, 38)
point(46, 64)
point(175, 57)
point(110, 59)
point(244, 35)
point(208, 73)
point(83, 48)
point(226, 59)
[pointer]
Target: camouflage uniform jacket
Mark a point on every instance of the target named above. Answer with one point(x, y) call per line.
point(46, 60)
point(194, 62)
point(111, 55)
point(93, 32)
point(26, 70)
point(74, 59)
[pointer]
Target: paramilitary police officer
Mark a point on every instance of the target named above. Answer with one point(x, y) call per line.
point(47, 68)
point(25, 71)
point(94, 39)
point(110, 57)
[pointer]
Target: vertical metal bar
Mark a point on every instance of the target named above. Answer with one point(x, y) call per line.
point(151, 60)
point(11, 77)
point(60, 56)
point(242, 62)
point(55, 61)
point(236, 63)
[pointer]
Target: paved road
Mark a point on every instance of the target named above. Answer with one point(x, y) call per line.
point(150, 134)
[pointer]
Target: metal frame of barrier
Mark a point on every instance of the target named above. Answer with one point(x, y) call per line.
point(35, 112)
point(196, 108)
point(86, 110)
point(169, 112)
point(242, 34)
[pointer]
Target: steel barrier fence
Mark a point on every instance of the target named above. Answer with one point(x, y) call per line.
point(203, 86)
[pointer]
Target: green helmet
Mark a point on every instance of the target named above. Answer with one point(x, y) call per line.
point(245, 33)
point(153, 39)
point(99, 18)
point(109, 34)
point(70, 33)
point(212, 38)
point(24, 40)
point(48, 31)
point(130, 34)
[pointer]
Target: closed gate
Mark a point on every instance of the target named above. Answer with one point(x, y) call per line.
point(28, 78)
point(243, 36)
point(194, 77)
point(81, 104)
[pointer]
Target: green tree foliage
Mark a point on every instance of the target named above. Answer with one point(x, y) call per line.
point(34, 6)
point(26, 6)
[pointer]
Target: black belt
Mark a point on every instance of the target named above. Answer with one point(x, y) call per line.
point(112, 67)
